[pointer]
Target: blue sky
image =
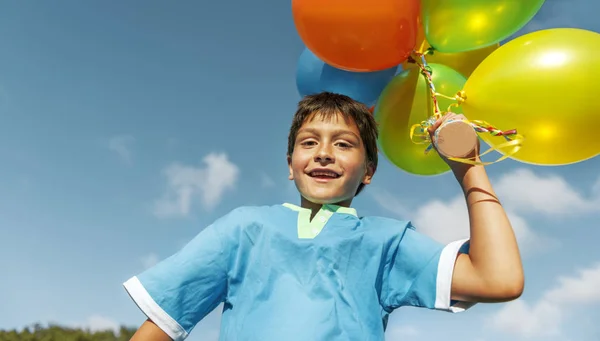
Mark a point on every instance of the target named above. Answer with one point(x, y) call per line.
point(129, 126)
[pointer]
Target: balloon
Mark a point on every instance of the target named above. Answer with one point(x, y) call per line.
point(463, 62)
point(314, 76)
point(544, 84)
point(358, 35)
point(407, 101)
point(464, 25)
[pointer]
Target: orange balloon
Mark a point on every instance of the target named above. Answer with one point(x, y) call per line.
point(358, 35)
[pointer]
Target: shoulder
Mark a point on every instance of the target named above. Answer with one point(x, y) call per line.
point(257, 211)
point(249, 215)
point(385, 223)
point(248, 223)
point(389, 230)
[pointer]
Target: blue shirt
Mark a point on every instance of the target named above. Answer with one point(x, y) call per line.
point(283, 276)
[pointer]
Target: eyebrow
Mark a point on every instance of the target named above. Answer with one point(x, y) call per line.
point(335, 132)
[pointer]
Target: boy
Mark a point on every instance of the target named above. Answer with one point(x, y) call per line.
point(318, 271)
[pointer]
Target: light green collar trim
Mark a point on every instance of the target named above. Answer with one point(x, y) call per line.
point(328, 207)
point(308, 229)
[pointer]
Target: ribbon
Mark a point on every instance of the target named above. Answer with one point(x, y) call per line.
point(513, 143)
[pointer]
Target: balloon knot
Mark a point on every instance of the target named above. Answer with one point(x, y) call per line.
point(461, 97)
point(426, 69)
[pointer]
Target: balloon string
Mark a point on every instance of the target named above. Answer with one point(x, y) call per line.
point(446, 97)
point(513, 139)
point(427, 72)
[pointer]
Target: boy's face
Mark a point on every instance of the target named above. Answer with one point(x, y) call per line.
point(329, 160)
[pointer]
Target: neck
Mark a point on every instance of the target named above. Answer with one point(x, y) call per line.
point(314, 207)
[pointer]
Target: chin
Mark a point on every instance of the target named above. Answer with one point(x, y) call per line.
point(325, 199)
point(321, 201)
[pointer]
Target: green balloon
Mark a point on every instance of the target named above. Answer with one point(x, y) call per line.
point(465, 25)
point(406, 101)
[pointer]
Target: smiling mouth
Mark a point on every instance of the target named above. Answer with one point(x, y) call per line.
point(320, 174)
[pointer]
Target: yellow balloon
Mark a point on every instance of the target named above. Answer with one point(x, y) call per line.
point(406, 101)
point(544, 84)
point(463, 62)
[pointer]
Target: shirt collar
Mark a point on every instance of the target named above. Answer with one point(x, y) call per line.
point(327, 207)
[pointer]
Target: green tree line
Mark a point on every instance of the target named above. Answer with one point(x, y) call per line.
point(51, 332)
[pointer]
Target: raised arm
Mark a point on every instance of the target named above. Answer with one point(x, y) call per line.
point(492, 270)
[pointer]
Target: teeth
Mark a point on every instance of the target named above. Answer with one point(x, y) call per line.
point(321, 173)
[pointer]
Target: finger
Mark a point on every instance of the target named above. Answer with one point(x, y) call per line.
point(440, 121)
point(451, 116)
point(460, 117)
point(436, 125)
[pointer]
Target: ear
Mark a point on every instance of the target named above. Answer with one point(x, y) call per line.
point(289, 161)
point(369, 174)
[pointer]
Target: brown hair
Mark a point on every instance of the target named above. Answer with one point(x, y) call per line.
point(328, 105)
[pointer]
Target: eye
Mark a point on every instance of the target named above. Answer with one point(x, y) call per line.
point(344, 145)
point(308, 143)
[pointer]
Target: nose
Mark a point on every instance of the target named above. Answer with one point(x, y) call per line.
point(324, 154)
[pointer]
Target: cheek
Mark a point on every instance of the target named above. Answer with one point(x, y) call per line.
point(298, 161)
point(354, 165)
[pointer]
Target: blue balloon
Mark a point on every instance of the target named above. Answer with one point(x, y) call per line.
point(314, 76)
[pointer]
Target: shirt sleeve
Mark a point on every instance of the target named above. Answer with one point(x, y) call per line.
point(181, 290)
point(419, 271)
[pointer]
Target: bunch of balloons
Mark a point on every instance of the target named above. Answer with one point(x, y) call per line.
point(413, 59)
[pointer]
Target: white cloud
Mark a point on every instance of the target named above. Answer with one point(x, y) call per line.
point(524, 191)
point(122, 145)
point(443, 221)
point(389, 202)
point(208, 183)
point(150, 260)
point(596, 189)
point(100, 323)
point(449, 221)
point(519, 318)
point(520, 192)
point(584, 288)
point(544, 317)
point(96, 323)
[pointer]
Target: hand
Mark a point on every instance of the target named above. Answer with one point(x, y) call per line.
point(458, 168)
